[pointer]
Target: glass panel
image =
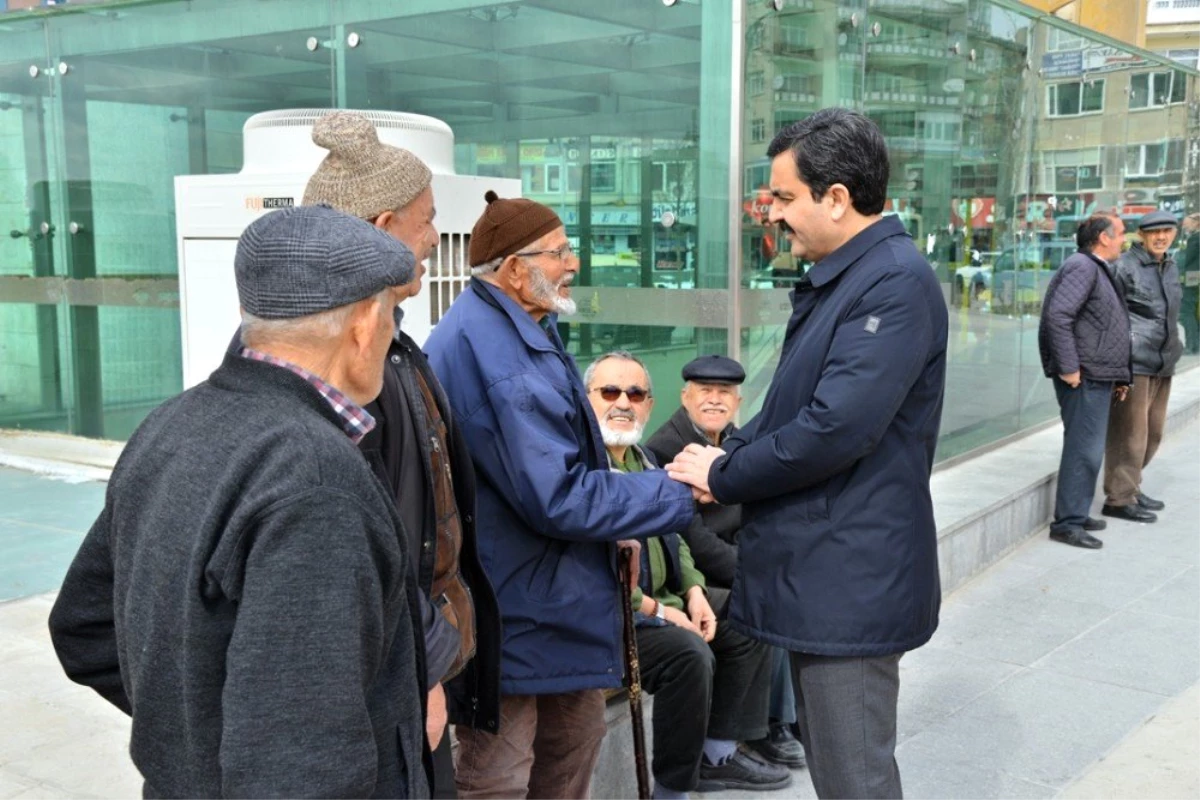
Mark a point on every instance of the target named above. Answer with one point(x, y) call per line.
point(34, 381)
point(1003, 134)
point(141, 94)
point(605, 112)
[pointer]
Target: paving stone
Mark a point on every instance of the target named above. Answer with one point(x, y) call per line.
point(934, 684)
point(1041, 727)
point(1019, 629)
point(1141, 651)
point(1178, 597)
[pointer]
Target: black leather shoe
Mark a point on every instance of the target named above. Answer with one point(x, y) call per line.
point(1149, 503)
point(1077, 537)
point(779, 747)
point(1094, 524)
point(742, 770)
point(1132, 512)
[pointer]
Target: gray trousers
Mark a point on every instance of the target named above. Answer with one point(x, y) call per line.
point(846, 708)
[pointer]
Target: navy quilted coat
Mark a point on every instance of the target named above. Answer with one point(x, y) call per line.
point(1084, 325)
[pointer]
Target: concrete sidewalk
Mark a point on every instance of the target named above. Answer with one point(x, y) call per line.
point(1057, 672)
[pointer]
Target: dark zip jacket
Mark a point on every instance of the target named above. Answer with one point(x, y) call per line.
point(401, 457)
point(837, 554)
point(1153, 295)
point(712, 534)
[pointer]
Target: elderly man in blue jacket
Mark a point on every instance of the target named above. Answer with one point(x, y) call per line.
point(549, 508)
point(838, 549)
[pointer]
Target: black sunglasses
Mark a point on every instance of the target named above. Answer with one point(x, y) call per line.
point(636, 394)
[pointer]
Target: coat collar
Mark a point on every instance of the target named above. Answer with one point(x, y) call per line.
point(535, 336)
point(1138, 251)
point(689, 432)
point(837, 262)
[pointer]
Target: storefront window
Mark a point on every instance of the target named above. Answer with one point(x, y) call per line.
point(634, 120)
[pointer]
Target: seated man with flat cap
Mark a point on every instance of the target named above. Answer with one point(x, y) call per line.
point(709, 400)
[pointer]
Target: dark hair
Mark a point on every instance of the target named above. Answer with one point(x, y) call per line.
point(1087, 236)
point(837, 145)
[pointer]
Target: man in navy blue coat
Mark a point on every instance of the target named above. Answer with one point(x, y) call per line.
point(838, 549)
point(549, 507)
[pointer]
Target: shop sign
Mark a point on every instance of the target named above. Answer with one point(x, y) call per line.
point(1092, 60)
point(490, 154)
point(978, 209)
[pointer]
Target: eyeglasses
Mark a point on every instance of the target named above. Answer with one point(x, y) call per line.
point(636, 394)
point(561, 253)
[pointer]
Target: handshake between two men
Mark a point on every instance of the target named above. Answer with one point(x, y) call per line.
point(691, 467)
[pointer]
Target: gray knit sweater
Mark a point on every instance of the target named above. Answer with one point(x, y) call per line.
point(243, 596)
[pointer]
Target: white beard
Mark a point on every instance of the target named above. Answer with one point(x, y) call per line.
point(547, 292)
point(614, 438)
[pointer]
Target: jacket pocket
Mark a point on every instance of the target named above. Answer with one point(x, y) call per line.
point(543, 575)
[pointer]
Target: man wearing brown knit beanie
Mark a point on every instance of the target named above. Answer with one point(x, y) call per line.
point(550, 509)
point(417, 450)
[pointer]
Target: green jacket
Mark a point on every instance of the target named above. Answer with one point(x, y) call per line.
point(654, 558)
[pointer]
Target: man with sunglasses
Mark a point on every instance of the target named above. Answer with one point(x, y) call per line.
point(710, 683)
point(549, 509)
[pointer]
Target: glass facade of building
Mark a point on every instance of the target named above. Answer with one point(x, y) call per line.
point(644, 125)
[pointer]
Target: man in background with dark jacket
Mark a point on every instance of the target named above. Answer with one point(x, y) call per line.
point(1084, 343)
point(1150, 285)
point(550, 510)
point(416, 448)
point(837, 557)
point(708, 403)
point(245, 593)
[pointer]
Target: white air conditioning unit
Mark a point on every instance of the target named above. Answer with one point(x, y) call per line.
point(211, 211)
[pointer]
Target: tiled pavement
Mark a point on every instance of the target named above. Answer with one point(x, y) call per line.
point(1058, 672)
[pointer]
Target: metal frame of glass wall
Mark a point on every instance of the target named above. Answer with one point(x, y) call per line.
point(645, 126)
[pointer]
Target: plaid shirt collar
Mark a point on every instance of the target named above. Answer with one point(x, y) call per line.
point(356, 421)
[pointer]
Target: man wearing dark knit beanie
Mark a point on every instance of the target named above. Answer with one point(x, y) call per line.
point(418, 452)
point(550, 509)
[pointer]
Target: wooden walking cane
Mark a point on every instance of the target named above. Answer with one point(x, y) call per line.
point(635, 680)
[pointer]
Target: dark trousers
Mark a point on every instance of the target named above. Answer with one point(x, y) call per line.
point(783, 699)
point(717, 690)
point(1135, 429)
point(443, 770)
point(1084, 412)
point(846, 708)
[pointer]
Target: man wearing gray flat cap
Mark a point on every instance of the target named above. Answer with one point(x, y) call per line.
point(1153, 294)
point(708, 403)
point(244, 593)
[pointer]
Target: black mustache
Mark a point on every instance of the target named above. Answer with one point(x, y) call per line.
point(784, 227)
